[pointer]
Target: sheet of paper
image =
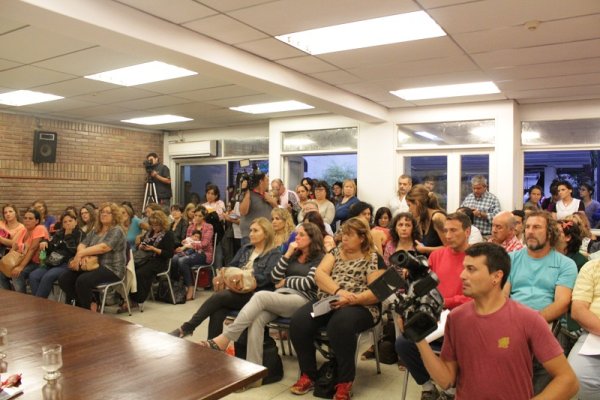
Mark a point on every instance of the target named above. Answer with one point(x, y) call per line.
point(591, 346)
point(323, 306)
point(439, 332)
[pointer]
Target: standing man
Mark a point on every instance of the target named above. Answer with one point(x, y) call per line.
point(489, 342)
point(541, 278)
point(161, 177)
point(398, 203)
point(288, 199)
point(256, 202)
point(447, 263)
point(485, 205)
point(504, 232)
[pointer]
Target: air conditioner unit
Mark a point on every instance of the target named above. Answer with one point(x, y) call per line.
point(206, 148)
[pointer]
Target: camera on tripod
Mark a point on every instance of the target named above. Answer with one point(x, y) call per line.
point(418, 300)
point(149, 165)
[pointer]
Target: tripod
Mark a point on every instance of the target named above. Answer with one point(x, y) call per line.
point(150, 193)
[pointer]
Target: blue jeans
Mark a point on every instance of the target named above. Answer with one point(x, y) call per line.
point(182, 266)
point(42, 279)
point(20, 282)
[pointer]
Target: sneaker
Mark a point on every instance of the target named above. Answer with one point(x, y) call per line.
point(445, 396)
point(303, 386)
point(343, 391)
point(430, 394)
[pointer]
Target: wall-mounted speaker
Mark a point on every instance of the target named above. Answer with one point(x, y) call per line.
point(44, 147)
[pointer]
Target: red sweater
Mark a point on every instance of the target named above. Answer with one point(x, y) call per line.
point(448, 265)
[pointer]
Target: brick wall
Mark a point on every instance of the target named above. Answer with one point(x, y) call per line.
point(94, 163)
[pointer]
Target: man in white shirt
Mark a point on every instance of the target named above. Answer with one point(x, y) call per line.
point(285, 196)
point(398, 203)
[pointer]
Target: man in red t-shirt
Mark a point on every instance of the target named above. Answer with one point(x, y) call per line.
point(447, 263)
point(489, 343)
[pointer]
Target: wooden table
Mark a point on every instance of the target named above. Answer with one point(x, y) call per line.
point(108, 358)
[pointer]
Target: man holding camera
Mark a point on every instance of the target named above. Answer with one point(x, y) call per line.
point(489, 343)
point(161, 177)
point(447, 263)
point(256, 202)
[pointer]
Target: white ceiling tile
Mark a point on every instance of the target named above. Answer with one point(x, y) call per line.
point(540, 54)
point(546, 99)
point(177, 11)
point(287, 16)
point(230, 5)
point(307, 64)
point(490, 14)
point(565, 68)
point(443, 3)
point(553, 82)
point(336, 77)
point(561, 31)
point(91, 61)
point(245, 100)
point(555, 92)
point(95, 111)
point(271, 49)
point(458, 100)
point(225, 29)
point(57, 106)
point(27, 77)
point(221, 92)
point(31, 44)
point(115, 95)
point(75, 87)
point(6, 64)
point(7, 25)
point(153, 102)
point(185, 84)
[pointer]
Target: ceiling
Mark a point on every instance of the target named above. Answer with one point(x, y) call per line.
point(49, 47)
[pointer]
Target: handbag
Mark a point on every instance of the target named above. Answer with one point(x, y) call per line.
point(10, 261)
point(55, 259)
point(235, 279)
point(89, 263)
point(141, 257)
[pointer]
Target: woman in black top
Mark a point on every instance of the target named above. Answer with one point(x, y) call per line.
point(425, 208)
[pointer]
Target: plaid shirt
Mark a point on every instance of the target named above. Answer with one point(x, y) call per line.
point(487, 203)
point(512, 244)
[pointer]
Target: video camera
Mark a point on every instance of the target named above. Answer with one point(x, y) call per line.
point(252, 178)
point(418, 300)
point(149, 166)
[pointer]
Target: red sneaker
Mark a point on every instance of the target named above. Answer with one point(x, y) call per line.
point(303, 386)
point(343, 391)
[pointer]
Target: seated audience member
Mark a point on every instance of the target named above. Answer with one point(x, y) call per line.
point(484, 204)
point(59, 251)
point(213, 200)
point(87, 218)
point(404, 234)
point(342, 209)
point(179, 225)
point(294, 277)
point(181, 266)
point(310, 186)
point(549, 202)
point(566, 204)
point(28, 243)
point(383, 217)
point(326, 207)
point(365, 212)
point(158, 244)
point(57, 225)
point(592, 207)
point(337, 190)
point(541, 278)
point(131, 224)
point(10, 228)
point(534, 198)
point(569, 242)
point(312, 206)
point(585, 309)
point(430, 218)
point(261, 255)
point(475, 236)
point(398, 202)
point(489, 343)
point(503, 232)
point(188, 213)
point(316, 218)
point(45, 219)
point(286, 198)
point(345, 271)
point(108, 242)
point(447, 263)
point(519, 227)
point(283, 225)
point(303, 196)
point(589, 241)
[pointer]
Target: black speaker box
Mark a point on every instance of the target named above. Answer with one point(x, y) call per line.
point(44, 147)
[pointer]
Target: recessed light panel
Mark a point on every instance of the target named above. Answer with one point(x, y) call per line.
point(438, 92)
point(265, 108)
point(368, 33)
point(157, 120)
point(153, 71)
point(26, 97)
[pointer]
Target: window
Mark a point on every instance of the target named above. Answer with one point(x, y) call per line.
point(470, 166)
point(339, 139)
point(461, 133)
point(421, 168)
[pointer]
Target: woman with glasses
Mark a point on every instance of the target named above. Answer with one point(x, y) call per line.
point(326, 207)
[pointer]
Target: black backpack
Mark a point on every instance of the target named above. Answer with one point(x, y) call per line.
point(271, 359)
point(326, 379)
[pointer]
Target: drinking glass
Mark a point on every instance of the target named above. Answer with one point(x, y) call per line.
point(52, 361)
point(3, 342)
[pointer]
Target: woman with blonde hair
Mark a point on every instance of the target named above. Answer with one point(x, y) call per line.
point(261, 255)
point(108, 242)
point(430, 218)
point(10, 228)
point(283, 225)
point(188, 212)
point(345, 271)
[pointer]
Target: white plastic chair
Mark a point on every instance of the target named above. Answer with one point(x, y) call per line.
point(197, 268)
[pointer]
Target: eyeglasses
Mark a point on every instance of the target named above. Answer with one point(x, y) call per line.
point(105, 212)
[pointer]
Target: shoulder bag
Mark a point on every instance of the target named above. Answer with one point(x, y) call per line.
point(10, 261)
point(235, 279)
point(89, 263)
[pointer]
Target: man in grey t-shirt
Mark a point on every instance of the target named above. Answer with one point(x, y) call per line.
point(257, 202)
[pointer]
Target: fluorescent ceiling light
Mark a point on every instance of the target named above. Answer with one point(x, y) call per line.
point(428, 135)
point(279, 106)
point(153, 71)
point(438, 92)
point(368, 33)
point(25, 97)
point(157, 120)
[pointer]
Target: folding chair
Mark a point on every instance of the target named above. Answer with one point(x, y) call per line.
point(197, 268)
point(158, 276)
point(103, 287)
